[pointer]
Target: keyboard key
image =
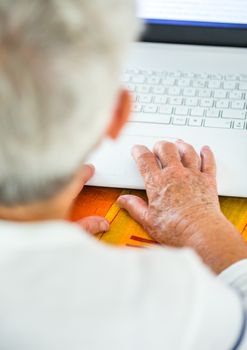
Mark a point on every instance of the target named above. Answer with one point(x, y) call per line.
point(218, 123)
point(181, 111)
point(165, 109)
point(192, 102)
point(184, 82)
point(175, 101)
point(145, 98)
point(216, 76)
point(137, 107)
point(162, 119)
point(175, 74)
point(179, 120)
point(126, 78)
point(231, 77)
point(229, 85)
point(197, 112)
point(239, 124)
point(243, 86)
point(168, 81)
point(202, 75)
point(195, 121)
point(190, 75)
point(234, 114)
point(220, 94)
point(213, 113)
point(222, 104)
point(153, 80)
point(133, 71)
point(163, 74)
point(158, 90)
point(190, 92)
point(243, 77)
point(235, 95)
point(206, 103)
point(130, 87)
point(149, 72)
point(214, 84)
point(134, 97)
point(199, 84)
point(151, 118)
point(204, 93)
point(174, 91)
point(143, 89)
point(238, 104)
point(160, 99)
point(138, 79)
point(150, 108)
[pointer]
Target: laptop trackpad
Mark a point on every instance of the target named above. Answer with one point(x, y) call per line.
point(114, 163)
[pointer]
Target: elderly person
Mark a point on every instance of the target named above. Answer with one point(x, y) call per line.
point(60, 67)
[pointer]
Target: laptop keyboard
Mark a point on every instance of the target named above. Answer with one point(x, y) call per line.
point(188, 99)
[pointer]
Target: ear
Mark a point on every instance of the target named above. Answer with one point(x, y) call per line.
point(121, 114)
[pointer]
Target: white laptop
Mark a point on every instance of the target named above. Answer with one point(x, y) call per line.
point(189, 81)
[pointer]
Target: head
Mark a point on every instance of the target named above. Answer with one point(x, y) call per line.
point(60, 94)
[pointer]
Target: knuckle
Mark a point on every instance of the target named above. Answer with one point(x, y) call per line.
point(158, 144)
point(145, 162)
point(150, 220)
point(152, 224)
point(161, 145)
point(191, 150)
point(144, 158)
point(189, 147)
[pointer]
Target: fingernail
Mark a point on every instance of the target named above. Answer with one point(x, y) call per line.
point(122, 200)
point(180, 146)
point(125, 197)
point(139, 150)
point(206, 148)
point(180, 140)
point(104, 226)
point(91, 166)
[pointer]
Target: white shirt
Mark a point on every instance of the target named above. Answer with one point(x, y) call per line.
point(61, 289)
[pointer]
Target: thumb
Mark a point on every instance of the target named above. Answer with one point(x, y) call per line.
point(135, 206)
point(87, 172)
point(94, 224)
point(84, 174)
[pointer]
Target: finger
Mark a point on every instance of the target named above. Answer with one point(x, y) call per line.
point(146, 162)
point(167, 153)
point(94, 224)
point(135, 206)
point(87, 172)
point(189, 157)
point(208, 161)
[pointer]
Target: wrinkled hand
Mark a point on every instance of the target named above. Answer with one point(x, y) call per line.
point(92, 224)
point(181, 190)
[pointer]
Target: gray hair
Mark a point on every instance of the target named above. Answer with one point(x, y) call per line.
point(60, 66)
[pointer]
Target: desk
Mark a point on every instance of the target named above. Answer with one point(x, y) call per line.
point(126, 232)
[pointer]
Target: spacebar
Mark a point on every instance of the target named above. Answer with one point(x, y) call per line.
point(151, 118)
point(217, 123)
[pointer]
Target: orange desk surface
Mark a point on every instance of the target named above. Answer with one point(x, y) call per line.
point(126, 232)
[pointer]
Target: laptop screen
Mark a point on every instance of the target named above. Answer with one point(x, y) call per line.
point(202, 13)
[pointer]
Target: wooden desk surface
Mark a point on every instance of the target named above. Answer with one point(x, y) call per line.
point(126, 232)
